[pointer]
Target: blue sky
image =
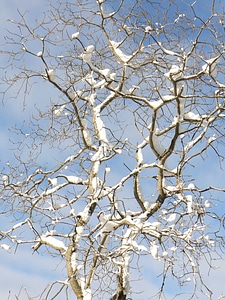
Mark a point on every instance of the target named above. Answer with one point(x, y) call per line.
point(23, 268)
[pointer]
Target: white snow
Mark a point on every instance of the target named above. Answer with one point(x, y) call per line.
point(191, 186)
point(107, 169)
point(210, 242)
point(118, 151)
point(52, 190)
point(103, 218)
point(170, 188)
point(207, 204)
point(114, 44)
point(87, 137)
point(192, 116)
point(59, 111)
point(86, 134)
point(84, 215)
point(156, 104)
point(87, 54)
point(91, 98)
point(74, 264)
point(165, 254)
point(147, 205)
point(70, 158)
point(18, 225)
point(39, 53)
point(105, 15)
point(155, 140)
point(173, 249)
point(189, 200)
point(73, 179)
point(5, 247)
point(53, 242)
point(168, 97)
point(178, 18)
point(171, 218)
point(168, 52)
point(90, 48)
point(109, 226)
point(100, 84)
point(211, 139)
point(153, 225)
point(90, 79)
point(154, 250)
point(182, 106)
point(95, 182)
point(189, 146)
point(127, 29)
point(119, 53)
point(87, 294)
point(112, 76)
point(210, 68)
point(175, 72)
point(105, 72)
point(75, 35)
point(133, 89)
point(139, 156)
point(139, 247)
point(72, 212)
point(175, 120)
point(51, 74)
point(99, 125)
point(148, 29)
point(98, 155)
point(5, 179)
point(53, 181)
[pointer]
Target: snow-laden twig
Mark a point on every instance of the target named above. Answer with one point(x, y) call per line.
point(51, 74)
point(174, 73)
point(168, 52)
point(119, 53)
point(192, 116)
point(86, 134)
point(72, 179)
point(87, 54)
point(75, 35)
point(99, 125)
point(158, 149)
point(4, 247)
point(59, 111)
point(210, 68)
point(50, 241)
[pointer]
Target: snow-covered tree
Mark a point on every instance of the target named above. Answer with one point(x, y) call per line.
point(116, 168)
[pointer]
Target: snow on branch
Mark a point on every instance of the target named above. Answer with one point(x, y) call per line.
point(87, 54)
point(192, 116)
point(50, 241)
point(174, 73)
point(168, 52)
point(72, 179)
point(4, 247)
point(210, 68)
point(157, 148)
point(59, 111)
point(113, 207)
point(51, 74)
point(99, 125)
point(119, 53)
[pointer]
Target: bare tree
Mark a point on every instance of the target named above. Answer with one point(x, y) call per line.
point(107, 164)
